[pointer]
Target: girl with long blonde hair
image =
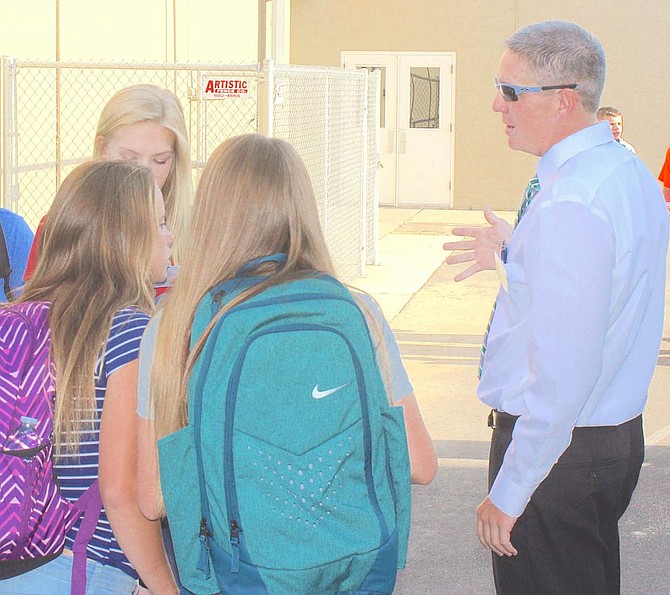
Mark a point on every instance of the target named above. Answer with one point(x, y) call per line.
point(104, 244)
point(145, 124)
point(254, 199)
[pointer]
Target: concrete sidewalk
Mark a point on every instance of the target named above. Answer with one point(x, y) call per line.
point(439, 326)
point(409, 252)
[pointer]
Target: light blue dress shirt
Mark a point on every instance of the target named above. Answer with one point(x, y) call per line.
point(574, 340)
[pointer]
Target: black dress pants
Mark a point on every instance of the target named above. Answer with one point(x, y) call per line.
point(568, 536)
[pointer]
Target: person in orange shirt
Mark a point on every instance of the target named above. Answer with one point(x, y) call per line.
point(664, 178)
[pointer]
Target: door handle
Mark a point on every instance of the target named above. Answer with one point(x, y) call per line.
point(402, 141)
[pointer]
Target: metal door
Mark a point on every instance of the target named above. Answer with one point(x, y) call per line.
point(416, 125)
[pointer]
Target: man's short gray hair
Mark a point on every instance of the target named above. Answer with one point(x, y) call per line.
point(562, 53)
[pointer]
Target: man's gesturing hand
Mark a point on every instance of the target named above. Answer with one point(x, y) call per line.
point(485, 242)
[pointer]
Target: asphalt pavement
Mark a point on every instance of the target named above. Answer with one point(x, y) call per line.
point(439, 326)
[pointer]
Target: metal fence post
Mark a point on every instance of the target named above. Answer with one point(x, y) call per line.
point(326, 158)
point(376, 164)
point(8, 132)
point(267, 98)
point(59, 154)
point(364, 176)
point(200, 123)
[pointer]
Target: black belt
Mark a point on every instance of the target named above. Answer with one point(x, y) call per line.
point(499, 420)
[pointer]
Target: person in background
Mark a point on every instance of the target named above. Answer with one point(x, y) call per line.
point(664, 178)
point(18, 238)
point(615, 118)
point(104, 244)
point(574, 336)
point(145, 124)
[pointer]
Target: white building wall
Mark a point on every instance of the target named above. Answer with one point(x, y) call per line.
point(130, 30)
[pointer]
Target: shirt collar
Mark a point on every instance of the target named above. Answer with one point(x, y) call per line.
point(562, 151)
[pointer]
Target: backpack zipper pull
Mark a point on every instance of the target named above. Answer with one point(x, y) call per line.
point(218, 296)
point(235, 546)
point(216, 301)
point(203, 558)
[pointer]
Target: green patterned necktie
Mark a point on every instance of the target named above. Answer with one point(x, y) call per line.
point(532, 189)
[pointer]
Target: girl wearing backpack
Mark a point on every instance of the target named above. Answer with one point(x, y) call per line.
point(255, 230)
point(105, 242)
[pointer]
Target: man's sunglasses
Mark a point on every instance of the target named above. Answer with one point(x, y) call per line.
point(512, 92)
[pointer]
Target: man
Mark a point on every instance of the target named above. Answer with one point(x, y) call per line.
point(18, 238)
point(615, 118)
point(577, 326)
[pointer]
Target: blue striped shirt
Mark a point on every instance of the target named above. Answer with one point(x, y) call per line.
point(75, 475)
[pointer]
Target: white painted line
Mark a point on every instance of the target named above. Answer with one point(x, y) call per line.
point(658, 436)
point(464, 463)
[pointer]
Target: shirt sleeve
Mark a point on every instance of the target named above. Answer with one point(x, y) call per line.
point(123, 344)
point(568, 263)
point(388, 353)
point(147, 349)
point(19, 240)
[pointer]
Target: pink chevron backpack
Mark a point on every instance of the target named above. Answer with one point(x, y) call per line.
point(34, 517)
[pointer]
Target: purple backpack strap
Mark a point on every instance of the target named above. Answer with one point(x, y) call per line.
point(90, 506)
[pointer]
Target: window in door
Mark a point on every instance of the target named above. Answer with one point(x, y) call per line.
point(424, 97)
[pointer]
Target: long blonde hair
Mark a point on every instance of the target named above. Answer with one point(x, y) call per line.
point(95, 258)
point(141, 103)
point(254, 199)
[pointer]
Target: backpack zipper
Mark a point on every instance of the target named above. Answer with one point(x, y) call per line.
point(203, 558)
point(31, 476)
point(235, 546)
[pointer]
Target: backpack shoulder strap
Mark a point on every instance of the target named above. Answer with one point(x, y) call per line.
point(5, 265)
point(280, 258)
point(89, 506)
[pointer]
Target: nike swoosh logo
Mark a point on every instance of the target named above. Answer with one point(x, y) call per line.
point(320, 394)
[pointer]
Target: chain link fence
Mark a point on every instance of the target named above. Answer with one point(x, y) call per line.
point(373, 165)
point(50, 113)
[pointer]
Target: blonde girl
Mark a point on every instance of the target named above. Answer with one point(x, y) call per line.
point(145, 124)
point(104, 244)
point(254, 199)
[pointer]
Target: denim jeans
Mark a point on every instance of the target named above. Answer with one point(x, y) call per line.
point(53, 578)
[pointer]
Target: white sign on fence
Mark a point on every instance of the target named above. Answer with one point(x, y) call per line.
point(225, 88)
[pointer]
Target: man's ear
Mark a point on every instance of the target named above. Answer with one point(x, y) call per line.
point(568, 100)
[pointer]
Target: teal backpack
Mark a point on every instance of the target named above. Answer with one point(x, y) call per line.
point(292, 475)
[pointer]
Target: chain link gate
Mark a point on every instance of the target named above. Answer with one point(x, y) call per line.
point(50, 112)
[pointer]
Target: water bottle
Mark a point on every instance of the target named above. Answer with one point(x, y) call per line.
point(24, 438)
